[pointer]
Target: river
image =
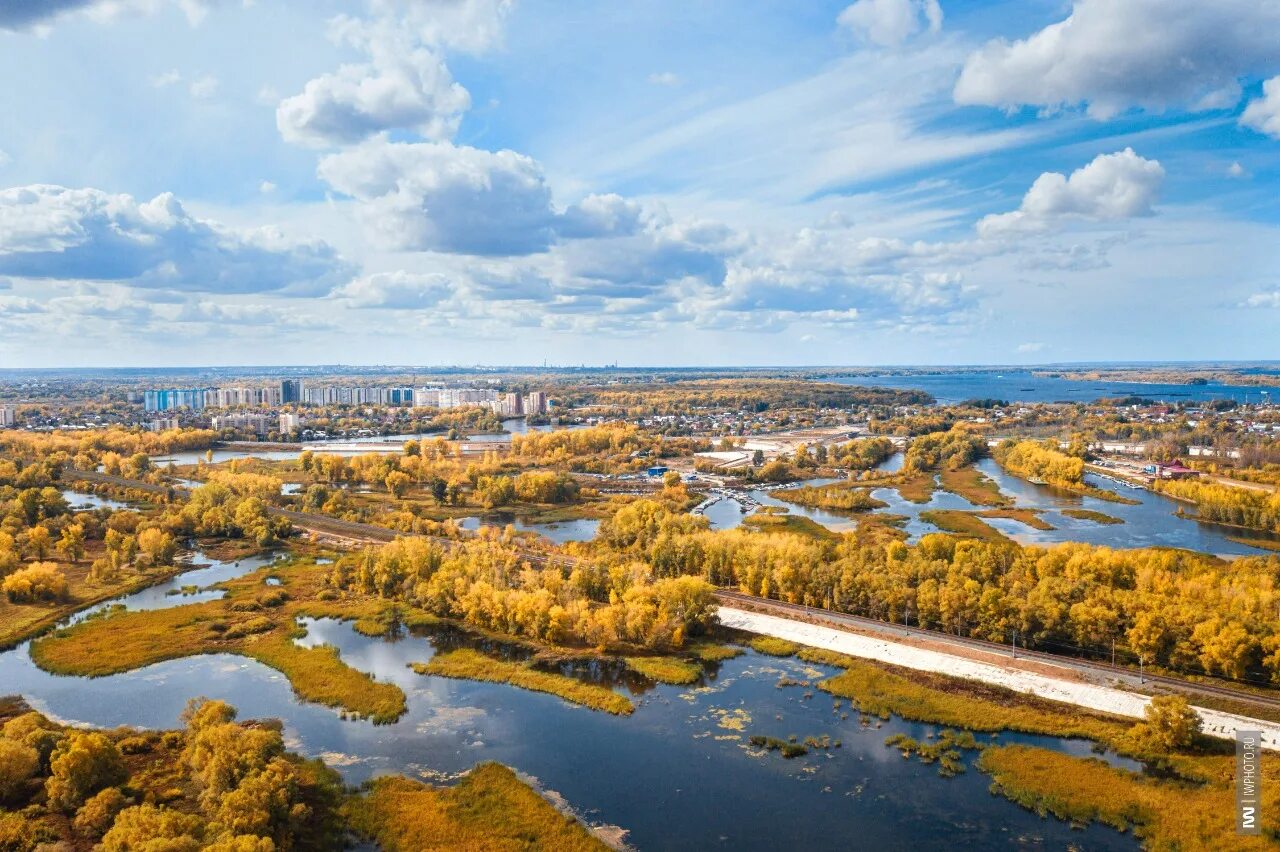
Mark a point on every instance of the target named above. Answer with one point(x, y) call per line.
point(675, 775)
point(1022, 386)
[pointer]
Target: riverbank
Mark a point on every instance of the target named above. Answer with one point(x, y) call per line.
point(1066, 689)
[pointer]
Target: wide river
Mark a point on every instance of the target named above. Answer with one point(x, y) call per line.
point(1022, 386)
point(678, 774)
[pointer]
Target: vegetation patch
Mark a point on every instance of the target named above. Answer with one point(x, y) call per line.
point(947, 751)
point(710, 652)
point(469, 664)
point(1165, 814)
point(1091, 515)
point(964, 524)
point(665, 669)
point(784, 747)
point(489, 810)
point(974, 486)
point(774, 646)
point(1030, 517)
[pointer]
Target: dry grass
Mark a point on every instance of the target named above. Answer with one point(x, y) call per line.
point(964, 524)
point(128, 640)
point(490, 810)
point(1165, 814)
point(974, 486)
point(710, 652)
point(1091, 515)
point(665, 669)
point(1030, 517)
point(773, 646)
point(469, 664)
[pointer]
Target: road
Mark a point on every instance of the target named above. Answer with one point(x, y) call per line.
point(368, 533)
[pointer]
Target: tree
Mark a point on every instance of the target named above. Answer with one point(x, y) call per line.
point(18, 763)
point(39, 542)
point(1171, 723)
point(85, 762)
point(97, 814)
point(150, 827)
point(72, 542)
point(397, 482)
point(157, 546)
point(757, 458)
point(39, 581)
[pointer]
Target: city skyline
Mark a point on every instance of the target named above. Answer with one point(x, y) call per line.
point(493, 182)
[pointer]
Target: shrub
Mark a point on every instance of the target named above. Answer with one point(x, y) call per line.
point(18, 763)
point(40, 581)
point(83, 763)
point(97, 814)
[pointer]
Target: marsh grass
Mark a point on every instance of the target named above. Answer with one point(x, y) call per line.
point(665, 669)
point(1165, 814)
point(469, 664)
point(947, 752)
point(710, 652)
point(964, 524)
point(773, 646)
point(489, 809)
point(785, 748)
point(974, 486)
point(1091, 515)
point(1030, 517)
point(125, 640)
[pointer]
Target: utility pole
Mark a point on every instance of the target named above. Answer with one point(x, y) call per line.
point(1015, 644)
point(1140, 674)
point(1113, 652)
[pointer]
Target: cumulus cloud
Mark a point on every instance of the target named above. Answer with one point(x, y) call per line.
point(889, 23)
point(1235, 170)
point(1263, 114)
point(27, 14)
point(1113, 186)
point(1113, 56)
point(404, 85)
point(52, 232)
point(436, 196)
point(400, 290)
point(1263, 300)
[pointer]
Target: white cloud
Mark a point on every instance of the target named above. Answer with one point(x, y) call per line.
point(404, 85)
point(1263, 300)
point(1114, 55)
point(166, 78)
point(1263, 114)
point(435, 196)
point(399, 290)
point(1113, 186)
point(889, 23)
point(472, 26)
point(266, 187)
point(204, 88)
point(1235, 170)
point(51, 232)
point(1027, 348)
point(664, 78)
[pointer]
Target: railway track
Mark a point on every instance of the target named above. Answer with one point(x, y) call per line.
point(894, 631)
point(355, 530)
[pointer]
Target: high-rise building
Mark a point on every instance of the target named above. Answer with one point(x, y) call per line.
point(168, 400)
point(291, 391)
point(8, 415)
point(290, 423)
point(535, 403)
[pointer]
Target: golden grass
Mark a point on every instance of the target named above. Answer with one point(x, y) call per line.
point(665, 669)
point(879, 690)
point(469, 664)
point(773, 646)
point(1091, 515)
point(916, 488)
point(490, 810)
point(962, 524)
point(1030, 517)
point(1165, 814)
point(710, 652)
point(974, 486)
point(19, 622)
point(128, 640)
point(771, 522)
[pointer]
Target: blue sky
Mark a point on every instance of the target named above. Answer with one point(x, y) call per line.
point(484, 181)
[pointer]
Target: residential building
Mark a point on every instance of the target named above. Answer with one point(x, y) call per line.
point(290, 423)
point(291, 391)
point(8, 415)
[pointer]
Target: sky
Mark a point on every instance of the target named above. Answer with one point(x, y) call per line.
point(719, 182)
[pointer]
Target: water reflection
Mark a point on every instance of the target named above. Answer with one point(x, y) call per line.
point(560, 532)
point(678, 774)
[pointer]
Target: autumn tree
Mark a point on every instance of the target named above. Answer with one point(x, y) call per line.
point(83, 763)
